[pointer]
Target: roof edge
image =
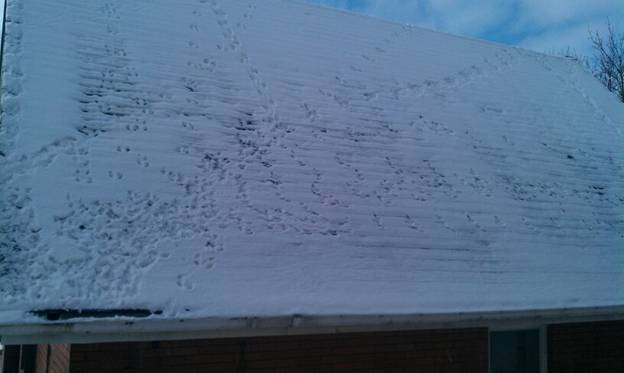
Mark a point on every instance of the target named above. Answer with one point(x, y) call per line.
point(126, 330)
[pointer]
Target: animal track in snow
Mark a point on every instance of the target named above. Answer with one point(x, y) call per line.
point(142, 160)
point(411, 223)
point(184, 282)
point(477, 183)
point(576, 87)
point(377, 221)
point(446, 85)
point(311, 113)
point(260, 133)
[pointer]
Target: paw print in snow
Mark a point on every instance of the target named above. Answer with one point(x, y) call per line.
point(183, 282)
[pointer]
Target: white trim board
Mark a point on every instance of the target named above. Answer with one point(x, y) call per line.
point(127, 329)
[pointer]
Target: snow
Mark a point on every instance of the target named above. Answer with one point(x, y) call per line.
point(222, 158)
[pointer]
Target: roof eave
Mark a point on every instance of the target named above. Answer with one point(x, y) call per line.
point(125, 330)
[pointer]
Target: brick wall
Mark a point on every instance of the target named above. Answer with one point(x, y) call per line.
point(52, 359)
point(572, 348)
point(442, 351)
point(41, 359)
point(586, 348)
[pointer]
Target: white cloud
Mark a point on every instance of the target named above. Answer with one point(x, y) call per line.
point(535, 24)
point(458, 16)
point(555, 40)
point(548, 12)
point(575, 36)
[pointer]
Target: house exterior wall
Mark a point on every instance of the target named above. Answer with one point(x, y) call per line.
point(52, 358)
point(443, 351)
point(572, 348)
point(586, 348)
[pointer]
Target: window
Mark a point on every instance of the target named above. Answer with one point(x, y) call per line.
point(515, 351)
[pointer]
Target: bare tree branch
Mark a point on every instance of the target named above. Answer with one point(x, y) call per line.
point(608, 60)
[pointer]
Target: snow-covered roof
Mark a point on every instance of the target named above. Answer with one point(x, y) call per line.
point(201, 159)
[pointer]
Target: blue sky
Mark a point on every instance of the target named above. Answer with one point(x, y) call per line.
point(542, 25)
